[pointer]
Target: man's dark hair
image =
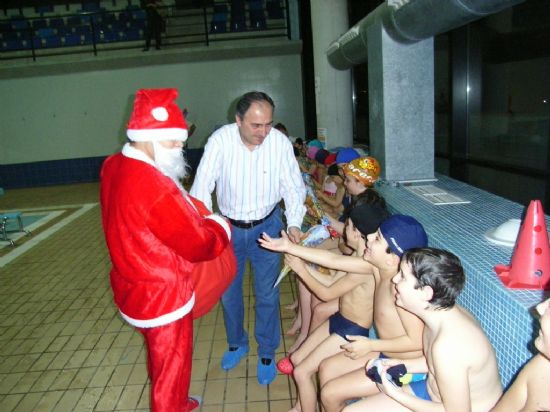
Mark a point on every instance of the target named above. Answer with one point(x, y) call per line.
point(439, 269)
point(248, 98)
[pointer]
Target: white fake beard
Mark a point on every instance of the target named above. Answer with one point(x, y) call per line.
point(170, 162)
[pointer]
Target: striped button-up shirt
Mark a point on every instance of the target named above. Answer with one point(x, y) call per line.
point(250, 183)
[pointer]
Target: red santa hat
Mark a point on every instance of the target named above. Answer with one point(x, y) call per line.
point(156, 116)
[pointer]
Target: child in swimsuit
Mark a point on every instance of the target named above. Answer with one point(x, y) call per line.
point(458, 357)
point(529, 391)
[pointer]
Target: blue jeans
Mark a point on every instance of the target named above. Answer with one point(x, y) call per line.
point(266, 266)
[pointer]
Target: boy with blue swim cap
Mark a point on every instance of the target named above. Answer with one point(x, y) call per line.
point(399, 332)
point(461, 366)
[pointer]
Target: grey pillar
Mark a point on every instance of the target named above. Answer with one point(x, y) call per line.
point(401, 102)
point(329, 19)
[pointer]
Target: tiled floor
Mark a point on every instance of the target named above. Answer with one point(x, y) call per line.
point(64, 348)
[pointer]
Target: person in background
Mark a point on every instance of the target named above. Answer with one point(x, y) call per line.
point(252, 166)
point(529, 391)
point(155, 24)
point(156, 235)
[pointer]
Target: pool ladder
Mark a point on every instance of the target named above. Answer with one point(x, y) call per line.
point(4, 218)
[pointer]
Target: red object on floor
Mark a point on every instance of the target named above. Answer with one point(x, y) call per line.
point(285, 366)
point(530, 264)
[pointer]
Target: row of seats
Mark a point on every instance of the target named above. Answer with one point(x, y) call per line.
point(72, 39)
point(256, 11)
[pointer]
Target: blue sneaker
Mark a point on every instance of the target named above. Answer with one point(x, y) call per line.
point(266, 371)
point(233, 356)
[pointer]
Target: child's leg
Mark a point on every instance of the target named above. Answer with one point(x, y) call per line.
point(339, 364)
point(309, 345)
point(306, 369)
point(349, 386)
point(305, 315)
point(378, 402)
point(322, 311)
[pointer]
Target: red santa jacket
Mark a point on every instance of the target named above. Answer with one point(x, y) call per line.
point(154, 235)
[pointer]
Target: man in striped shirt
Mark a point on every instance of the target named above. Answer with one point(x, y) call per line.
point(252, 167)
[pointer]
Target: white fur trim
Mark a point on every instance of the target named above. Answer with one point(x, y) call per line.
point(222, 222)
point(133, 153)
point(148, 135)
point(161, 320)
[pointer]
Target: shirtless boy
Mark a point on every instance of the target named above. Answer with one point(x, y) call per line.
point(461, 366)
point(381, 260)
point(342, 376)
point(529, 392)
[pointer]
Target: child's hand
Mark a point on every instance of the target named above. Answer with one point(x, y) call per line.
point(387, 386)
point(358, 347)
point(281, 244)
point(295, 263)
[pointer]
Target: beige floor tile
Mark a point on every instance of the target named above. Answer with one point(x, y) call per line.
point(64, 379)
point(109, 398)
point(130, 396)
point(89, 399)
point(9, 402)
point(214, 392)
point(236, 391)
point(28, 402)
point(138, 374)
point(120, 375)
point(26, 382)
point(48, 401)
point(255, 391)
point(68, 401)
point(44, 381)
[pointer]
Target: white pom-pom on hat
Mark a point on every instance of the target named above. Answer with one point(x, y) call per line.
point(156, 116)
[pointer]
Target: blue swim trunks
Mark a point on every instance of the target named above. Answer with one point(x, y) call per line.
point(420, 389)
point(342, 326)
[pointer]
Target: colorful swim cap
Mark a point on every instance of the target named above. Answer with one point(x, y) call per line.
point(331, 159)
point(403, 233)
point(365, 169)
point(311, 152)
point(321, 155)
point(315, 143)
point(346, 155)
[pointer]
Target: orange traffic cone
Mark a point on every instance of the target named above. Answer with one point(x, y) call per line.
point(530, 264)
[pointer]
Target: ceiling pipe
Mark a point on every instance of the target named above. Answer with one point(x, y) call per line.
point(409, 21)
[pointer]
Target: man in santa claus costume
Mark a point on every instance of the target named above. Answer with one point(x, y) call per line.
point(156, 234)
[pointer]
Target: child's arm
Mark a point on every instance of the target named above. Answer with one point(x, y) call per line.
point(451, 374)
point(333, 201)
point(515, 398)
point(410, 341)
point(321, 257)
point(325, 279)
point(325, 293)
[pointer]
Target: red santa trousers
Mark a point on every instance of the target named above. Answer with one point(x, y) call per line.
point(169, 358)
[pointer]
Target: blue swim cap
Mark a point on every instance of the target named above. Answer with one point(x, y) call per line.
point(346, 155)
point(403, 233)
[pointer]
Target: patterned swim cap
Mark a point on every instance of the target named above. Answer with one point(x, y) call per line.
point(364, 169)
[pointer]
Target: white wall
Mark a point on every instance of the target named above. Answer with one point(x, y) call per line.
point(83, 114)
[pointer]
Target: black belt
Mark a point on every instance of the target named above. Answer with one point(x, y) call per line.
point(249, 224)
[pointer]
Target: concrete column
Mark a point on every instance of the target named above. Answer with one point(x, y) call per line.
point(401, 105)
point(329, 19)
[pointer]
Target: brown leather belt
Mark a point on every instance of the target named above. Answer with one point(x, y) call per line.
point(249, 224)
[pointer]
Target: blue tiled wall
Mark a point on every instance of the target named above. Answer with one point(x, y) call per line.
point(55, 172)
point(503, 313)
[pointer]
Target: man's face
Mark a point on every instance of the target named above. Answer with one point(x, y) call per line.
point(256, 124)
point(542, 342)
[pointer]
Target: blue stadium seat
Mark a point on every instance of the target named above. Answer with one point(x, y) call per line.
point(238, 18)
point(13, 44)
point(71, 39)
point(45, 32)
point(57, 22)
point(19, 23)
point(52, 42)
point(219, 21)
point(39, 24)
point(132, 34)
point(74, 21)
